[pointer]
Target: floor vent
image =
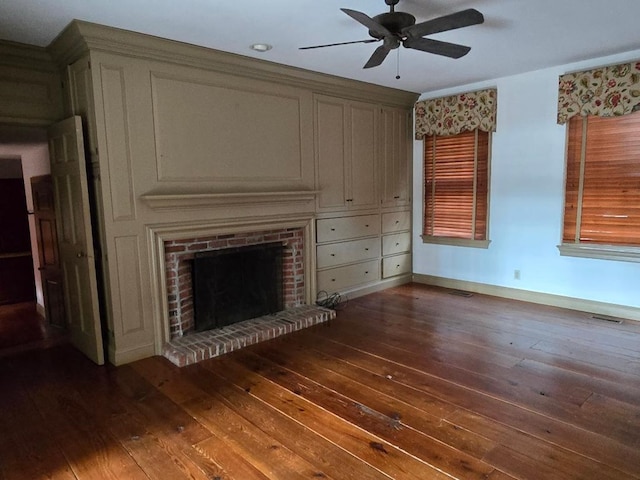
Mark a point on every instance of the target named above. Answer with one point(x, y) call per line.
point(460, 293)
point(606, 318)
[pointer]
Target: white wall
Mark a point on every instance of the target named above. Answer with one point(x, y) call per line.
point(526, 202)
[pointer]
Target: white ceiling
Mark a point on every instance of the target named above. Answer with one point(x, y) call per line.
point(517, 36)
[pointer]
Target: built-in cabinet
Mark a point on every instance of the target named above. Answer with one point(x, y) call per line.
point(345, 147)
point(363, 232)
point(394, 169)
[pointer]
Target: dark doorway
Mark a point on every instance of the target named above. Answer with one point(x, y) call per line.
point(236, 284)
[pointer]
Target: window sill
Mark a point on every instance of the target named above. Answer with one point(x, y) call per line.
point(456, 242)
point(603, 252)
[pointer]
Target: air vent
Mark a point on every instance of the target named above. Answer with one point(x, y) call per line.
point(460, 293)
point(606, 318)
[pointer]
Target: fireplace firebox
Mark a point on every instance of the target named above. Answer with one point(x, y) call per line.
point(235, 284)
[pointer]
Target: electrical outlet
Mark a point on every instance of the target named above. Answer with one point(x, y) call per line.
point(516, 274)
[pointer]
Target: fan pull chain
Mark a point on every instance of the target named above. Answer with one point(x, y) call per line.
point(397, 64)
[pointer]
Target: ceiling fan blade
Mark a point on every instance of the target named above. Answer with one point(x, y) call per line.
point(368, 22)
point(378, 57)
point(446, 49)
point(369, 40)
point(464, 18)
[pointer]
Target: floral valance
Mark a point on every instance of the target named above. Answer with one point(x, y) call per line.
point(604, 92)
point(457, 113)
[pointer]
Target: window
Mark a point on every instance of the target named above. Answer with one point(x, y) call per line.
point(602, 192)
point(456, 183)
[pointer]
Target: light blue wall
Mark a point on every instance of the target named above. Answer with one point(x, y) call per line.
point(526, 201)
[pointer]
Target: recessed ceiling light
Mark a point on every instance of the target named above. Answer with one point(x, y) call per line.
point(261, 47)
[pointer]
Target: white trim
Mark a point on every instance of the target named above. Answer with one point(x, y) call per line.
point(602, 252)
point(376, 287)
point(579, 304)
point(121, 357)
point(456, 242)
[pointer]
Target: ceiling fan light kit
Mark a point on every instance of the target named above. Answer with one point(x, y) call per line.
point(400, 28)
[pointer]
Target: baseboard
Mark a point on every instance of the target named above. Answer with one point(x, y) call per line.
point(376, 287)
point(601, 308)
point(120, 357)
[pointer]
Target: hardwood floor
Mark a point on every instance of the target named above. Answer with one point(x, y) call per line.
point(23, 329)
point(410, 383)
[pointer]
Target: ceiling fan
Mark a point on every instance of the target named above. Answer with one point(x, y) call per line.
point(400, 28)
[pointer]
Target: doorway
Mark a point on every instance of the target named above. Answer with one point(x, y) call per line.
point(24, 154)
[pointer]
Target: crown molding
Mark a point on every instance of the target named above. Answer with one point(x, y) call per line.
point(20, 55)
point(80, 38)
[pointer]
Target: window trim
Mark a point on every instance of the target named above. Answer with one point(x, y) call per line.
point(456, 241)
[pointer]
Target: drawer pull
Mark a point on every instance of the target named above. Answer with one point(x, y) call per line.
point(397, 244)
point(397, 197)
point(397, 222)
point(367, 272)
point(367, 226)
point(366, 249)
point(333, 254)
point(333, 229)
point(333, 279)
point(397, 266)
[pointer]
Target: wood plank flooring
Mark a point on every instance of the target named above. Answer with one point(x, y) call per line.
point(410, 383)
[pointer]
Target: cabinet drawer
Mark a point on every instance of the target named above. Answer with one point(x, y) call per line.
point(396, 221)
point(344, 228)
point(396, 243)
point(342, 278)
point(334, 254)
point(397, 265)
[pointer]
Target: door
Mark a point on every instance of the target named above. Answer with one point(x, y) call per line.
point(75, 239)
point(47, 238)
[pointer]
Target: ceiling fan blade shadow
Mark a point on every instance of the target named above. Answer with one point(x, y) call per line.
point(369, 40)
point(464, 18)
point(451, 50)
point(367, 21)
point(378, 57)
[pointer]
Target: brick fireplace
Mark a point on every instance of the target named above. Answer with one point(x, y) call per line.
point(179, 256)
point(176, 246)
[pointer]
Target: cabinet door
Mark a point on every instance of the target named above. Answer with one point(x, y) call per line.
point(362, 123)
point(394, 157)
point(331, 153)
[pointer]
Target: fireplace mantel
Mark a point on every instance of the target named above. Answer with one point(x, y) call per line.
point(158, 234)
point(181, 201)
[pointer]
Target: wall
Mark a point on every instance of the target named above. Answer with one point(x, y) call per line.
point(526, 202)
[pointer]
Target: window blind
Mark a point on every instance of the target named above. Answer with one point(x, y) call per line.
point(456, 185)
point(602, 199)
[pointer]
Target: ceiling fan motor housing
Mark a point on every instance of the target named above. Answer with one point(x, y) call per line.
point(395, 22)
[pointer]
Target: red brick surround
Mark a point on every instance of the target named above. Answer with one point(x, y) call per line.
point(178, 261)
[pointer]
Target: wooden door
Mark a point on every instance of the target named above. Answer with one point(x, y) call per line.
point(46, 233)
point(362, 159)
point(330, 150)
point(395, 163)
point(75, 238)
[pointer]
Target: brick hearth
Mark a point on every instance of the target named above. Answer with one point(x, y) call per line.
point(196, 347)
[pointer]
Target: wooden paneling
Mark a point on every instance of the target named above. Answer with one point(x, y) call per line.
point(216, 131)
point(118, 136)
point(30, 87)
